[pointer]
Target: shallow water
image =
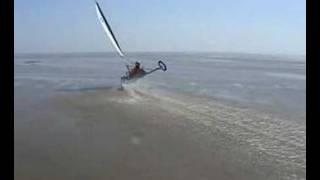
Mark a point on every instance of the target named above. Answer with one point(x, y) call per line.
point(275, 84)
point(249, 109)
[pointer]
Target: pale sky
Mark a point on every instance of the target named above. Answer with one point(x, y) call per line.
point(252, 26)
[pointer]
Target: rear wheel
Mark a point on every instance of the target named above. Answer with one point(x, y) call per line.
point(162, 65)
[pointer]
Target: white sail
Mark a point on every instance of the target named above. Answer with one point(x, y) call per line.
point(108, 30)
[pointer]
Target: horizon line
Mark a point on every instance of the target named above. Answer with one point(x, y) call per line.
point(109, 52)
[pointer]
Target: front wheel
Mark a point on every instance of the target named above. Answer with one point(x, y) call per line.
point(162, 65)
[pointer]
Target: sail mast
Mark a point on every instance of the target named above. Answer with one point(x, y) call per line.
point(108, 30)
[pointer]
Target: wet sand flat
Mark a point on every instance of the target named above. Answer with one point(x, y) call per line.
point(109, 134)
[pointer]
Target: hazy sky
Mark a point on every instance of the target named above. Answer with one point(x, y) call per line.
point(255, 26)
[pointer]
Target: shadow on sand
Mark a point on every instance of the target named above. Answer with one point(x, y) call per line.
point(99, 88)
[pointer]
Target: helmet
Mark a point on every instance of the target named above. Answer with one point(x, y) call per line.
point(137, 64)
